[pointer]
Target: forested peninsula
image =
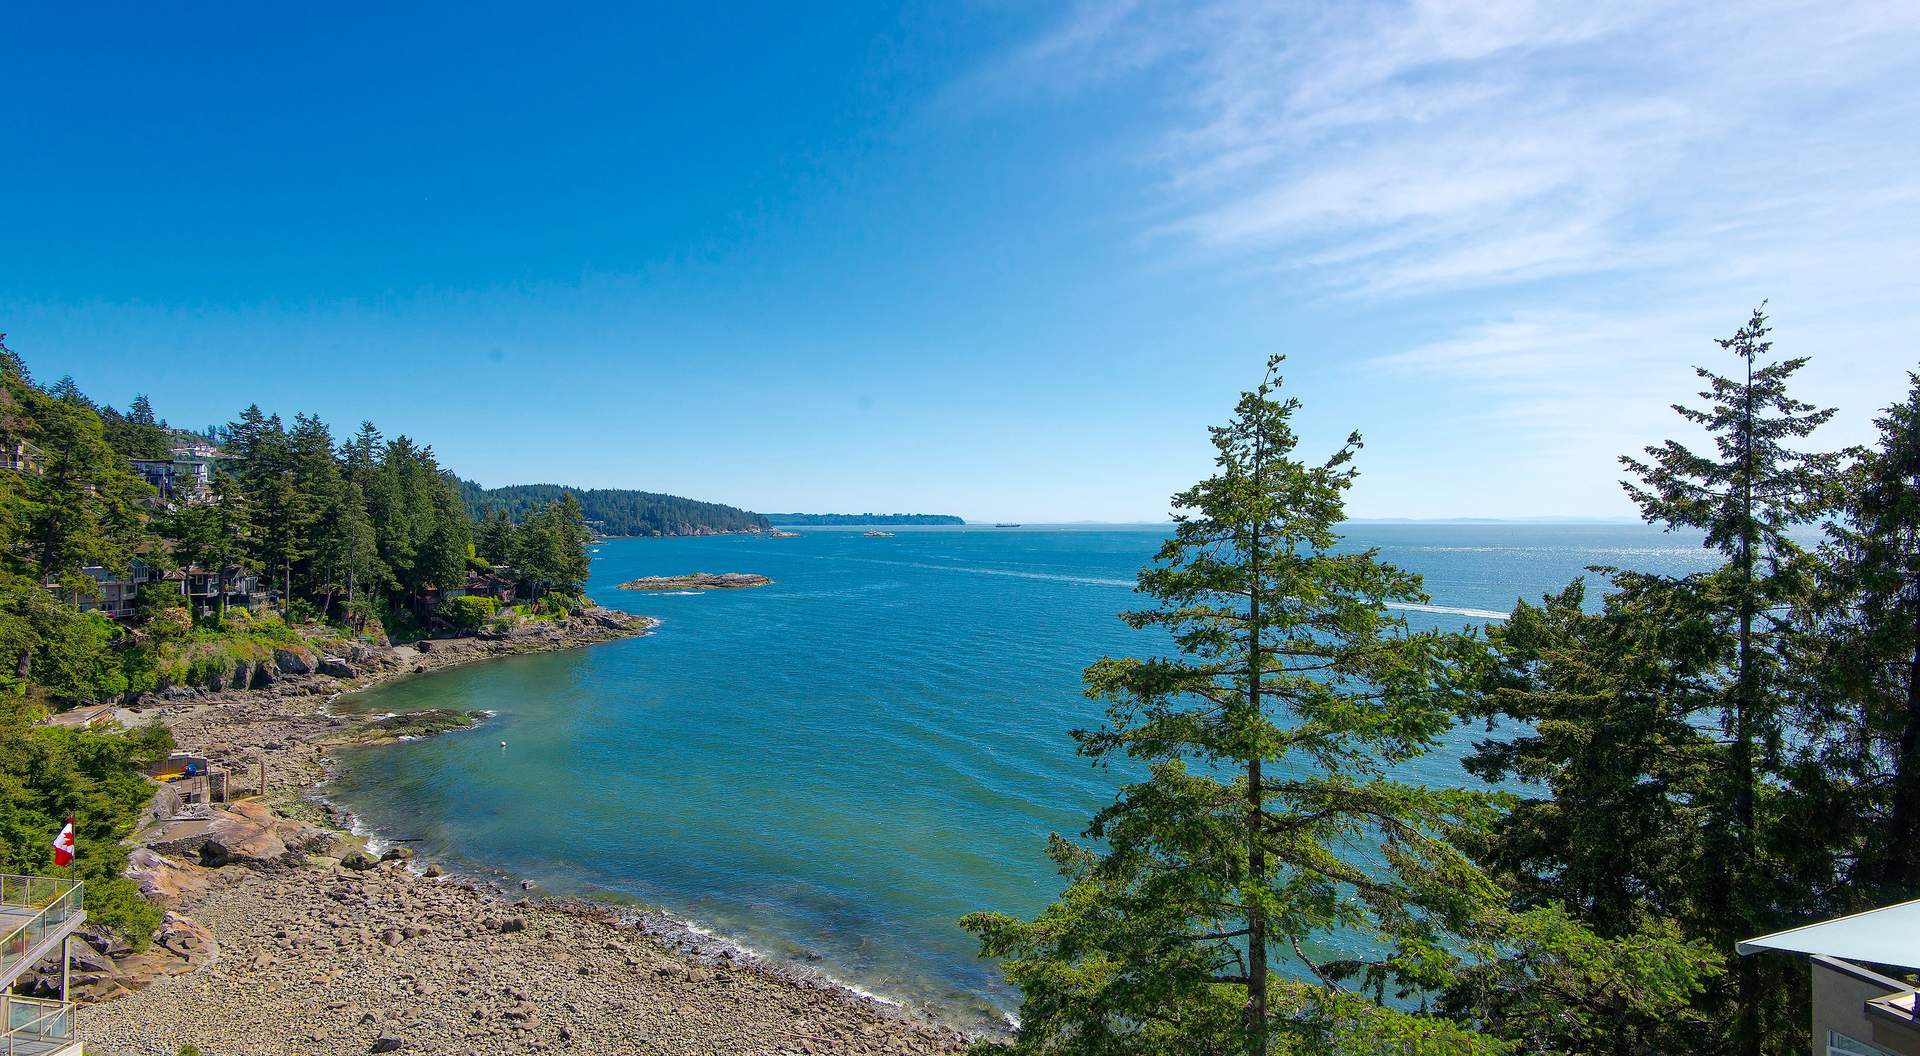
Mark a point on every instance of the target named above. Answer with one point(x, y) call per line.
point(822, 520)
point(617, 511)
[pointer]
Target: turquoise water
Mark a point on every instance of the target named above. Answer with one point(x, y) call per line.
point(836, 767)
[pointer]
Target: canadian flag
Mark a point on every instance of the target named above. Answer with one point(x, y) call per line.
point(63, 846)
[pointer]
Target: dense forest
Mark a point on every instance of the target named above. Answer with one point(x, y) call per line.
point(802, 520)
point(616, 511)
point(292, 541)
point(1672, 764)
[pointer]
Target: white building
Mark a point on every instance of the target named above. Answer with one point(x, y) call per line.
point(1858, 1011)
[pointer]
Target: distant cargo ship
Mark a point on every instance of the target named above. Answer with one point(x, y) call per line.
point(1006, 526)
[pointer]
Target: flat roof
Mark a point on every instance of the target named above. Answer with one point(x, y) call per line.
point(1889, 936)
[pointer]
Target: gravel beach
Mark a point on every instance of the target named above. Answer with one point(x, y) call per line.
point(317, 948)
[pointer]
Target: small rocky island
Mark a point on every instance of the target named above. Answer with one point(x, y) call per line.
point(698, 581)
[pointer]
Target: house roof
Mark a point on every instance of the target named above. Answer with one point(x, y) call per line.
point(1889, 936)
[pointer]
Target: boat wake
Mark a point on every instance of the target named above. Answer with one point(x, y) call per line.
point(1449, 610)
point(1101, 581)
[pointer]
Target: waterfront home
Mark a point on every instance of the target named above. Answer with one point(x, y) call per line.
point(39, 915)
point(203, 588)
point(1857, 1010)
point(115, 594)
point(498, 584)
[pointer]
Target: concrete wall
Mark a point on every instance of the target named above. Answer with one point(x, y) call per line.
point(1840, 994)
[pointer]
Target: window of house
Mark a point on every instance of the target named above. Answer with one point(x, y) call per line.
point(1839, 1044)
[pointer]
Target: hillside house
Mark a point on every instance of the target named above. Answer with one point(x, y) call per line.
point(181, 479)
point(115, 594)
point(203, 589)
point(1857, 1010)
point(19, 456)
point(498, 584)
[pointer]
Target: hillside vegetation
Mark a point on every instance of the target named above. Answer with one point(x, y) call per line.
point(310, 547)
point(617, 511)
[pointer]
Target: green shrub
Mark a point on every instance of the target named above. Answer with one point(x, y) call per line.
point(141, 665)
point(468, 613)
point(302, 611)
point(170, 673)
point(399, 624)
point(202, 669)
point(362, 611)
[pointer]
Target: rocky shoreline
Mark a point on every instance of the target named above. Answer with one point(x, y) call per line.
point(285, 934)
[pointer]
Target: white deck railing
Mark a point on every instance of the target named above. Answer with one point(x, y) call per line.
point(36, 908)
point(34, 1026)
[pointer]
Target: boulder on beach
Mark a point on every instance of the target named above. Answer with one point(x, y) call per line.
point(294, 661)
point(337, 667)
point(162, 879)
point(250, 833)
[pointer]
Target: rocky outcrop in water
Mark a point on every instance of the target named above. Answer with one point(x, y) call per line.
point(698, 581)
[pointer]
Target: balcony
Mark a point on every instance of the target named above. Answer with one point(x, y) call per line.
point(37, 1027)
point(38, 914)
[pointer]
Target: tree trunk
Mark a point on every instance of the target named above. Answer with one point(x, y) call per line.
point(1256, 847)
point(1747, 974)
point(1900, 869)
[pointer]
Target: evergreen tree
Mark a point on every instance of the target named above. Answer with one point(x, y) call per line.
point(1745, 496)
point(1868, 672)
point(67, 391)
point(137, 434)
point(243, 438)
point(84, 507)
point(1602, 843)
point(360, 456)
point(494, 542)
point(1270, 746)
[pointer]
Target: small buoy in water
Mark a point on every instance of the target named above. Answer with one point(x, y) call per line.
point(503, 744)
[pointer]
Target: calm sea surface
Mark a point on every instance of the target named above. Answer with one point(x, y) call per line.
point(835, 768)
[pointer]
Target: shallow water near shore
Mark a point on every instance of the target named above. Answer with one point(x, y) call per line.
point(833, 769)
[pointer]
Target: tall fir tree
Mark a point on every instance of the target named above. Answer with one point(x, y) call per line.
point(1746, 496)
point(1270, 746)
point(494, 541)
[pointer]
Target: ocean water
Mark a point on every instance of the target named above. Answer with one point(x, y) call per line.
point(834, 768)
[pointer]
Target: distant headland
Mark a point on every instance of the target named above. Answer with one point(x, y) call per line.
point(830, 519)
point(618, 511)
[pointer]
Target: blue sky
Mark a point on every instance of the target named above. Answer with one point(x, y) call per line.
point(1003, 260)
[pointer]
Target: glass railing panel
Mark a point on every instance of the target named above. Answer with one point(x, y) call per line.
point(53, 901)
point(32, 1020)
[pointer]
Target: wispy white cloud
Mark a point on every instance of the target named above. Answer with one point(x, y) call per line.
point(1606, 185)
